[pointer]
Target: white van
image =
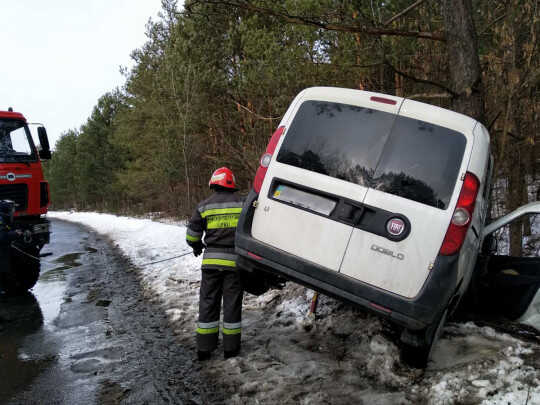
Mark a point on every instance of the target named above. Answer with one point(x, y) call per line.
point(374, 199)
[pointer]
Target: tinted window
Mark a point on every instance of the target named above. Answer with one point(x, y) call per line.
point(338, 140)
point(420, 161)
point(397, 155)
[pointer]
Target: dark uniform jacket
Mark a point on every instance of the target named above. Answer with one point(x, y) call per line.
point(216, 218)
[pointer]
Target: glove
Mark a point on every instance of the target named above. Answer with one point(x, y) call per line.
point(197, 251)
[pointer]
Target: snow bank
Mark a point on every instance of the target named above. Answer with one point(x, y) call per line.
point(345, 356)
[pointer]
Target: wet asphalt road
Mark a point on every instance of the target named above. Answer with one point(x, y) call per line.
point(86, 334)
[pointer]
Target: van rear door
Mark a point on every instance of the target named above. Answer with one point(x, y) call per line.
point(413, 192)
point(316, 183)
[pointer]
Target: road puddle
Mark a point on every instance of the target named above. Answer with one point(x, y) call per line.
point(20, 317)
point(34, 345)
point(66, 262)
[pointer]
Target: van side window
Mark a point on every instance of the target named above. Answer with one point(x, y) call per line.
point(530, 244)
point(398, 155)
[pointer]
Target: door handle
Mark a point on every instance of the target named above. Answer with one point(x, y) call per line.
point(350, 214)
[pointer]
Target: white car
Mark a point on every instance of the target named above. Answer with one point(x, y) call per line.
point(376, 200)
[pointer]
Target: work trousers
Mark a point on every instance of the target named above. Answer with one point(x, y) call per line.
point(215, 285)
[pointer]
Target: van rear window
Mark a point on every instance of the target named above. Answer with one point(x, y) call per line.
point(398, 155)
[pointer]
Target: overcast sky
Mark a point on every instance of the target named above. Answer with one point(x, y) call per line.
point(59, 56)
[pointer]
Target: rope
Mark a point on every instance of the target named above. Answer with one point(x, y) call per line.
point(164, 260)
point(138, 265)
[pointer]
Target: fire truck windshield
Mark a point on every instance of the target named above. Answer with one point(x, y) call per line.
point(15, 142)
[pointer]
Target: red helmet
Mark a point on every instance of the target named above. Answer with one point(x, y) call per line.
point(223, 177)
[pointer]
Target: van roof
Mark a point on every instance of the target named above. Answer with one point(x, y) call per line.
point(439, 115)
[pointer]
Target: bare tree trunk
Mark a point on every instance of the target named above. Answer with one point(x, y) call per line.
point(463, 60)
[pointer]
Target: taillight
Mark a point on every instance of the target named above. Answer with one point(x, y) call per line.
point(461, 219)
point(266, 158)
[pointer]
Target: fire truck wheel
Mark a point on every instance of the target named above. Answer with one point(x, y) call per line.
point(24, 273)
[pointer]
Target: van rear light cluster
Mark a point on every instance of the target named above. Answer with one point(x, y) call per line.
point(266, 158)
point(461, 219)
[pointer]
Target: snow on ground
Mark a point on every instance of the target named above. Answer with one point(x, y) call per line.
point(346, 356)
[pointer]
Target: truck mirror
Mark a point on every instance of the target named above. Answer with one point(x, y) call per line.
point(45, 152)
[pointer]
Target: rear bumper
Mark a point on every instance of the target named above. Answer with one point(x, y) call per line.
point(414, 314)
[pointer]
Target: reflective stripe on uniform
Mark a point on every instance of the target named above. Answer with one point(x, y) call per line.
point(219, 258)
point(206, 328)
point(207, 209)
point(219, 262)
point(222, 221)
point(232, 331)
point(235, 325)
point(232, 328)
point(208, 325)
point(202, 331)
point(221, 211)
point(193, 236)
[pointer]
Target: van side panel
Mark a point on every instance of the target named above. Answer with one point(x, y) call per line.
point(477, 166)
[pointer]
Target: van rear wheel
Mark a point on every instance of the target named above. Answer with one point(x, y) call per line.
point(418, 346)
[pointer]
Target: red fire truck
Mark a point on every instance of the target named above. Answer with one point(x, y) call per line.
point(22, 181)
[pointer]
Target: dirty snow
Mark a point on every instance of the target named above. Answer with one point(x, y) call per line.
point(345, 356)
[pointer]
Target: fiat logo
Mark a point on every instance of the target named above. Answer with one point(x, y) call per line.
point(10, 176)
point(395, 226)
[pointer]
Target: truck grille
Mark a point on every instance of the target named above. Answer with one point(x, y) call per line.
point(17, 193)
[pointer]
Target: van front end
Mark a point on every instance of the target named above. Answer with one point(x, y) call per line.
point(415, 314)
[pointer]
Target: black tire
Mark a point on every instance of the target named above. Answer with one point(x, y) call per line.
point(21, 313)
point(417, 356)
point(23, 274)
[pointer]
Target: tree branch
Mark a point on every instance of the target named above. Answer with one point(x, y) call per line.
point(320, 23)
point(243, 107)
point(495, 21)
point(494, 120)
point(407, 76)
point(429, 95)
point(404, 11)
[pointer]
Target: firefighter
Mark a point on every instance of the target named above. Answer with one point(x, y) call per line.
point(7, 208)
point(216, 218)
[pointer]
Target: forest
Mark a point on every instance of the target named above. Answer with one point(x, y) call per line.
point(215, 77)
